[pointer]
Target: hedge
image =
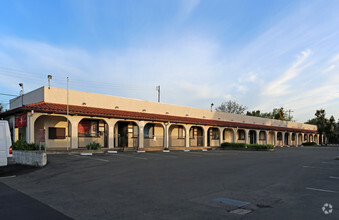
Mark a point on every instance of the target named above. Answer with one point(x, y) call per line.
point(23, 145)
point(247, 146)
point(309, 144)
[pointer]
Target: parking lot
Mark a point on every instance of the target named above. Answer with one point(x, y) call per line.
point(287, 183)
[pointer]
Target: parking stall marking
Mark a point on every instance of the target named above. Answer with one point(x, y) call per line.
point(334, 177)
point(321, 190)
point(135, 157)
point(91, 158)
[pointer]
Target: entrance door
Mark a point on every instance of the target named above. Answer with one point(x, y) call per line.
point(122, 134)
point(200, 137)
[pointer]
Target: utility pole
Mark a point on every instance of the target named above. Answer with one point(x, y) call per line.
point(289, 114)
point(67, 117)
point(158, 89)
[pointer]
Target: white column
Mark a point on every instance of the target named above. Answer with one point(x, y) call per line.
point(111, 124)
point(74, 120)
point(267, 133)
point(275, 138)
point(141, 125)
point(290, 139)
point(206, 135)
point(283, 138)
point(235, 130)
point(221, 134)
point(257, 136)
point(246, 136)
point(166, 127)
point(187, 133)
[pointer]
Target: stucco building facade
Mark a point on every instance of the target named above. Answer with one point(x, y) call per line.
point(122, 123)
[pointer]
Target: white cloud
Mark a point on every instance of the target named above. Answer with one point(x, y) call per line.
point(279, 86)
point(329, 69)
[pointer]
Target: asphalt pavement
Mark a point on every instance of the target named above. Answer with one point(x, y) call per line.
point(289, 183)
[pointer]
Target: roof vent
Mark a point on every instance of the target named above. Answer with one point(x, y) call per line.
point(84, 103)
point(167, 113)
point(186, 114)
point(144, 110)
point(218, 118)
point(116, 107)
point(203, 117)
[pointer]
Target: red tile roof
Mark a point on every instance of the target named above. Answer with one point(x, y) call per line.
point(113, 113)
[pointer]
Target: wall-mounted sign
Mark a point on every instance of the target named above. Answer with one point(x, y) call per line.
point(20, 120)
point(41, 135)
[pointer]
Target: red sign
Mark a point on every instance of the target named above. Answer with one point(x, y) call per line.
point(84, 127)
point(20, 120)
point(41, 135)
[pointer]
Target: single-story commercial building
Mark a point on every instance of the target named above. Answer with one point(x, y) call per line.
point(122, 123)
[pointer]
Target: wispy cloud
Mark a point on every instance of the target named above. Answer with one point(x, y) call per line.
point(279, 86)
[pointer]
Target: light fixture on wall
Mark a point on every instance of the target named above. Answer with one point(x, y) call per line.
point(22, 93)
point(116, 107)
point(49, 81)
point(84, 103)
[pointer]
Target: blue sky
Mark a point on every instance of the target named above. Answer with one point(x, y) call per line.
point(263, 54)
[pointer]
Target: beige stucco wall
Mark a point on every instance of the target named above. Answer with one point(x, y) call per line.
point(44, 122)
point(58, 95)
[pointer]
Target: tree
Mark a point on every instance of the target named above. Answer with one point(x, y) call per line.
point(257, 113)
point(325, 126)
point(312, 121)
point(279, 114)
point(1, 108)
point(231, 107)
point(330, 128)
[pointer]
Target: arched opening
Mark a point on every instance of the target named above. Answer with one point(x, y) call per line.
point(126, 135)
point(305, 137)
point(300, 138)
point(213, 138)
point(311, 138)
point(241, 136)
point(92, 130)
point(279, 139)
point(252, 137)
point(154, 135)
point(286, 139)
point(55, 129)
point(196, 136)
point(177, 135)
point(262, 137)
point(271, 135)
point(228, 135)
point(294, 140)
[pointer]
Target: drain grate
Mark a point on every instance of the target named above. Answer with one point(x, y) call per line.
point(231, 202)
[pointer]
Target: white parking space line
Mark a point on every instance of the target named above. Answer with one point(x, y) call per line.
point(334, 177)
point(319, 168)
point(321, 190)
point(91, 158)
point(329, 162)
point(140, 158)
point(7, 177)
point(160, 155)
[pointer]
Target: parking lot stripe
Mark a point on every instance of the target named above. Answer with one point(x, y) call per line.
point(140, 158)
point(334, 177)
point(319, 168)
point(91, 158)
point(321, 190)
point(6, 177)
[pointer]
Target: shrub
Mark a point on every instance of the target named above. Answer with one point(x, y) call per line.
point(260, 146)
point(309, 144)
point(93, 146)
point(23, 145)
point(248, 146)
point(233, 145)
